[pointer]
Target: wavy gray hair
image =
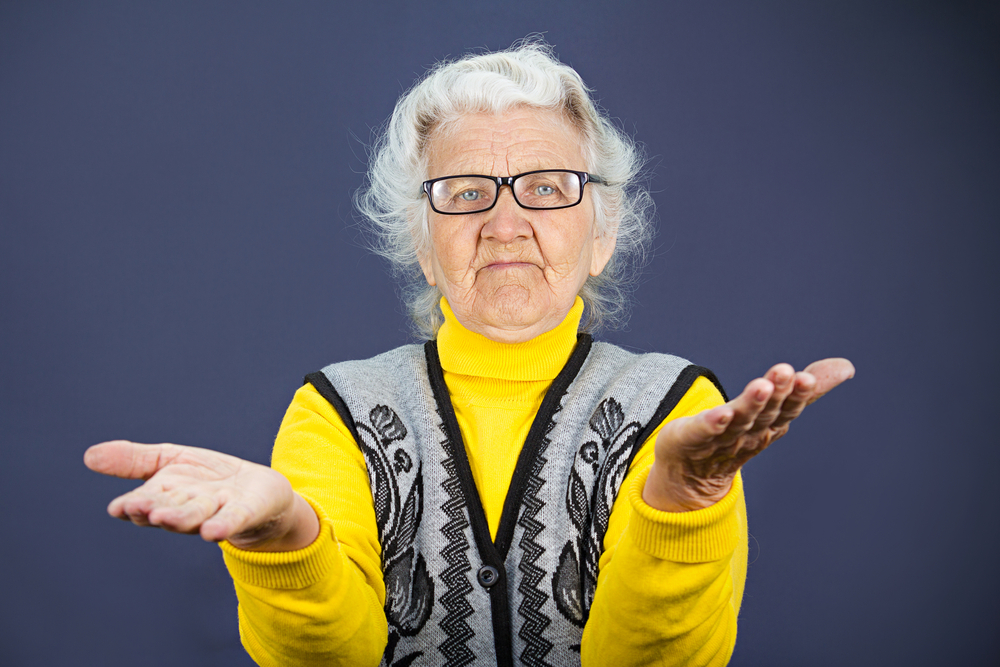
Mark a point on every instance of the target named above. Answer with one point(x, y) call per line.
point(527, 74)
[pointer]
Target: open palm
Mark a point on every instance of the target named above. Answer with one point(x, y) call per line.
point(200, 491)
point(698, 457)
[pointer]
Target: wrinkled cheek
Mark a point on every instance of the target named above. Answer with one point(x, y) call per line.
point(571, 278)
point(451, 276)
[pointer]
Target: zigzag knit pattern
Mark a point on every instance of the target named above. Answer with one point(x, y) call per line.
point(454, 599)
point(534, 623)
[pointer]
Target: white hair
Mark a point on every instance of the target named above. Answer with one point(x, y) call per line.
point(526, 75)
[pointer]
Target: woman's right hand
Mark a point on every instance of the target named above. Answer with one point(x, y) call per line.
point(220, 497)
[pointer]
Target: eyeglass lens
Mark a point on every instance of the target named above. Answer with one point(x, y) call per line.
point(469, 194)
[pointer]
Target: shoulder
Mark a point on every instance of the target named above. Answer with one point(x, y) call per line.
point(612, 356)
point(388, 371)
point(649, 371)
point(404, 355)
point(397, 379)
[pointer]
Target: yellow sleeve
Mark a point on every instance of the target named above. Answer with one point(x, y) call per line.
point(670, 583)
point(324, 604)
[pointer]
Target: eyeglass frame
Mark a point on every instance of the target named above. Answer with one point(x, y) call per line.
point(509, 182)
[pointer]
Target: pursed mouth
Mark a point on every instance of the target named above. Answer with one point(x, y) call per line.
point(509, 265)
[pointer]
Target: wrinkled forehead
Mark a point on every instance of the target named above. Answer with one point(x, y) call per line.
point(503, 144)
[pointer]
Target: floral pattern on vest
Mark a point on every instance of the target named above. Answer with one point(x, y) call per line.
point(409, 589)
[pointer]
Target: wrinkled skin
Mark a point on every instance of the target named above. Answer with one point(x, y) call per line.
point(510, 273)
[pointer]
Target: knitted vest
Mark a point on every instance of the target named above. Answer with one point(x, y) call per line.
point(453, 595)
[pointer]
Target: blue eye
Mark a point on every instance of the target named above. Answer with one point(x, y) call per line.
point(469, 195)
point(545, 190)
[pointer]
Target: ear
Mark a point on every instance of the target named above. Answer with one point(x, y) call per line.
point(604, 248)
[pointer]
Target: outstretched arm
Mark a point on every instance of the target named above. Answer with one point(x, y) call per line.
point(671, 578)
point(306, 596)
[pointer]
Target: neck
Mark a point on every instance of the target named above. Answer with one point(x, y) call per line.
point(539, 358)
point(514, 332)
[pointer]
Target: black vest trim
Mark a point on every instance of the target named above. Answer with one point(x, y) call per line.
point(494, 554)
point(670, 401)
point(326, 390)
point(539, 428)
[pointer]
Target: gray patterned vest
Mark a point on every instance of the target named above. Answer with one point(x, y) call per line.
point(454, 596)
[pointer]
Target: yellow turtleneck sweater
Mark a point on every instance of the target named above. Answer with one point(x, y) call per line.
point(670, 584)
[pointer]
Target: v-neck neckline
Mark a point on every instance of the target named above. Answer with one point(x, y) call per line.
point(490, 549)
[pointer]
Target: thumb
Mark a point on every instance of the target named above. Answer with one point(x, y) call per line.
point(132, 460)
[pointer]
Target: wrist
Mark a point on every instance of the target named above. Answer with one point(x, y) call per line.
point(293, 530)
point(669, 489)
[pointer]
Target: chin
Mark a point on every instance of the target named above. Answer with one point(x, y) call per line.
point(513, 308)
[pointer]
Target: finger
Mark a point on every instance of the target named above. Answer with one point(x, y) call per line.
point(135, 505)
point(688, 432)
point(829, 373)
point(130, 509)
point(232, 519)
point(782, 376)
point(132, 460)
point(184, 518)
point(746, 407)
point(801, 396)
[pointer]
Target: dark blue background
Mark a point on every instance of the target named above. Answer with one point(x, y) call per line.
point(178, 250)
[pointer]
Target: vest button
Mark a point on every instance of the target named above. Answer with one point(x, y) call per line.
point(487, 576)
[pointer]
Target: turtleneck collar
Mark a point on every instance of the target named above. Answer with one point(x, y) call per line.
point(467, 353)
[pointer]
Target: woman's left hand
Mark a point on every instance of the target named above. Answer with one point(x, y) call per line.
point(698, 457)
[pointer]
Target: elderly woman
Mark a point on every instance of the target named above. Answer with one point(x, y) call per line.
point(510, 491)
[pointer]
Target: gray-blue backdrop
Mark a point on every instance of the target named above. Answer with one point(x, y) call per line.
point(178, 250)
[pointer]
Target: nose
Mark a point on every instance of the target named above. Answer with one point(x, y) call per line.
point(506, 222)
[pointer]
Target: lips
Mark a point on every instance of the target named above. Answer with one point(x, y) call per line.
point(508, 265)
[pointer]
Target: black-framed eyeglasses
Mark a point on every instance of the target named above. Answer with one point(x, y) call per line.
point(545, 189)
